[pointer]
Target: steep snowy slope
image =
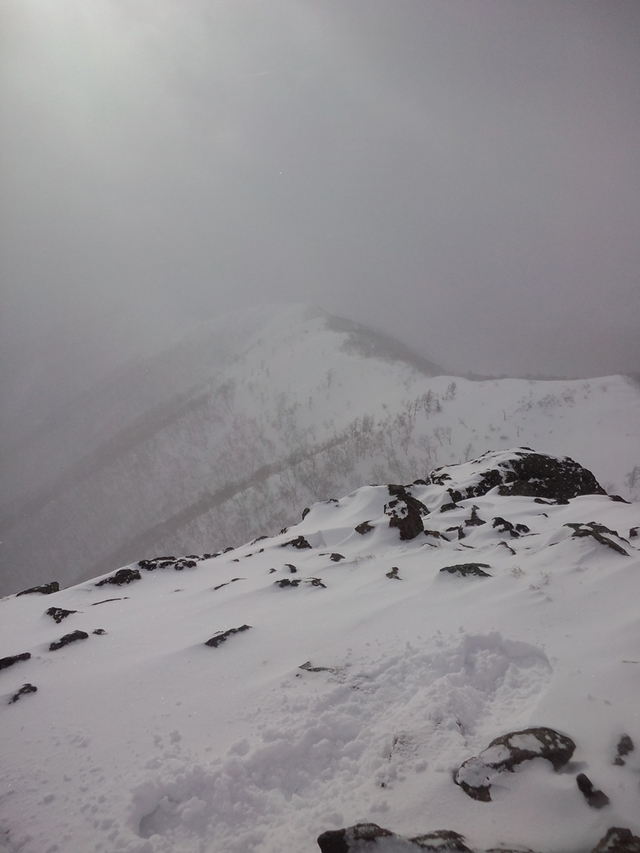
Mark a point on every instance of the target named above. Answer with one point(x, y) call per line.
point(348, 670)
point(226, 434)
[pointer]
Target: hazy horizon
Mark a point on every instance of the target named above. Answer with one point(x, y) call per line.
point(464, 177)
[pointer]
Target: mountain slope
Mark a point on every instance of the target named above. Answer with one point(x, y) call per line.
point(225, 435)
point(342, 671)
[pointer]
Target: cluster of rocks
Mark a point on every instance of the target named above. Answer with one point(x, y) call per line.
point(177, 563)
point(475, 777)
point(371, 838)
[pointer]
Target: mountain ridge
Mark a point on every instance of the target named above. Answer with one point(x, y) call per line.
point(295, 412)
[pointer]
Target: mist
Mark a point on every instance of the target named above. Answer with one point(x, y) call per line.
point(463, 176)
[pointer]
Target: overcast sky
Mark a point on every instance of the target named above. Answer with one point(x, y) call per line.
point(462, 174)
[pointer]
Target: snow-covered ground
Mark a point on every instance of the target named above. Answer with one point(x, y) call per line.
point(226, 434)
point(366, 677)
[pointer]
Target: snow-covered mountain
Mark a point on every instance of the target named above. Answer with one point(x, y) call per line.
point(228, 430)
point(449, 665)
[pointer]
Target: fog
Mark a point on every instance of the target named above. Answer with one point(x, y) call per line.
point(464, 176)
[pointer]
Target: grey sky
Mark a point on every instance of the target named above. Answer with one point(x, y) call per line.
point(463, 174)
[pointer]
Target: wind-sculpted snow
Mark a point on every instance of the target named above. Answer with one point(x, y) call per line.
point(251, 700)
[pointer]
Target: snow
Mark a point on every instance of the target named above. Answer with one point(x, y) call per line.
point(230, 433)
point(145, 740)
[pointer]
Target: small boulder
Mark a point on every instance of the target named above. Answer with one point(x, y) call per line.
point(405, 513)
point(598, 532)
point(475, 520)
point(365, 837)
point(11, 659)
point(299, 542)
point(625, 746)
point(596, 799)
point(68, 638)
point(507, 752)
point(59, 613)
point(121, 577)
point(363, 528)
point(221, 636)
point(45, 589)
point(336, 557)
point(26, 688)
point(618, 840)
point(362, 836)
point(468, 570)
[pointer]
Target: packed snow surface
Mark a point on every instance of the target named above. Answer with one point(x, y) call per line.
point(360, 680)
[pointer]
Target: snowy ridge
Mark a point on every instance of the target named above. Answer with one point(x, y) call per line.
point(228, 433)
point(356, 661)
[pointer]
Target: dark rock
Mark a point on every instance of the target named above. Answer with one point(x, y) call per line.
point(596, 799)
point(394, 574)
point(45, 589)
point(308, 668)
point(121, 577)
point(436, 477)
point(68, 638)
point(352, 838)
point(618, 499)
point(305, 512)
point(336, 557)
point(299, 542)
point(363, 837)
point(221, 636)
point(233, 580)
point(508, 751)
point(285, 582)
point(230, 547)
point(597, 532)
point(99, 631)
point(475, 520)
point(442, 840)
point(634, 533)
point(504, 526)
point(291, 568)
point(434, 533)
point(156, 563)
point(405, 513)
point(107, 600)
point(363, 528)
point(625, 746)
point(448, 507)
point(467, 569)
point(315, 582)
point(58, 613)
point(530, 474)
point(26, 688)
point(618, 840)
point(9, 661)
